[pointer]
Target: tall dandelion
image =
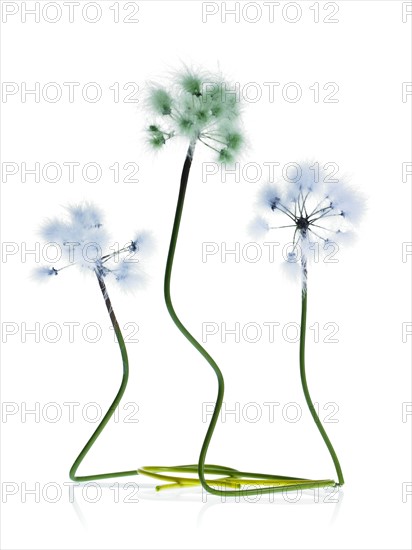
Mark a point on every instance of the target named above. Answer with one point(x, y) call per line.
point(201, 108)
point(82, 238)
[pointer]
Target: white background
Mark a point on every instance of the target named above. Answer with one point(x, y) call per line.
point(367, 293)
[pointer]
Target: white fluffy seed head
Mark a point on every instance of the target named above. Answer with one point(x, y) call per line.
point(84, 244)
point(319, 213)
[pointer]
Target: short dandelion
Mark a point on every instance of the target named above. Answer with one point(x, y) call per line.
point(83, 240)
point(318, 216)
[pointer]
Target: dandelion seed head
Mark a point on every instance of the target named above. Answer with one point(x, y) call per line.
point(84, 241)
point(313, 213)
point(198, 106)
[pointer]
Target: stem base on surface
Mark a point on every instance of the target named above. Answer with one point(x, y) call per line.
point(232, 479)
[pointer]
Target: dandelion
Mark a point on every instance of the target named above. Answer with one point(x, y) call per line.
point(83, 237)
point(201, 108)
point(318, 215)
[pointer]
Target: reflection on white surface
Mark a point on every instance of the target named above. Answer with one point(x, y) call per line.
point(326, 496)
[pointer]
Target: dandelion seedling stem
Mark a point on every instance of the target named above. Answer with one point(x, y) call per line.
point(116, 400)
point(305, 384)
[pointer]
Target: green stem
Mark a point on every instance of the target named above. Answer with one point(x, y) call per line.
point(232, 478)
point(306, 389)
point(168, 299)
point(202, 467)
point(115, 403)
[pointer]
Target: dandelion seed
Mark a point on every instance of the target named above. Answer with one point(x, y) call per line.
point(191, 83)
point(143, 243)
point(258, 228)
point(129, 276)
point(346, 200)
point(161, 101)
point(44, 273)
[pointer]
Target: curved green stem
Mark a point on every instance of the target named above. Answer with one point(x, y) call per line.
point(305, 385)
point(203, 468)
point(116, 400)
